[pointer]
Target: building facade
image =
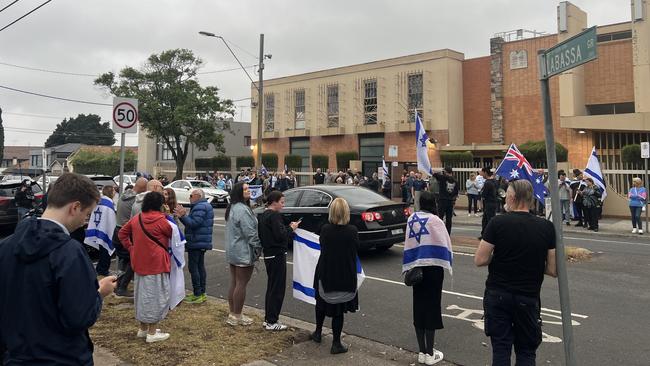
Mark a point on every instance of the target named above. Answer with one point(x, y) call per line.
point(156, 159)
point(479, 105)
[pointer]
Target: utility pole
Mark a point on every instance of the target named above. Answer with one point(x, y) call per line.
point(260, 103)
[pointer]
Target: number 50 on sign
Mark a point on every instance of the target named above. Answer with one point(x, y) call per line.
point(125, 115)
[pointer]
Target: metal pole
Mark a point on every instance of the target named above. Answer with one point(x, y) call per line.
point(121, 187)
point(260, 103)
point(563, 282)
point(646, 203)
point(43, 156)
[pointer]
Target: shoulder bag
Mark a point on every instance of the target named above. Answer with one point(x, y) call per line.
point(413, 276)
point(151, 237)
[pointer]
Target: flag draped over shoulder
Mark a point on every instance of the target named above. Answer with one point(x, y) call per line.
point(426, 243)
point(101, 226)
point(306, 250)
point(256, 191)
point(594, 172)
point(385, 170)
point(514, 166)
point(176, 276)
point(421, 138)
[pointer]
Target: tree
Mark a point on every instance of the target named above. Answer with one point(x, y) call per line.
point(95, 162)
point(535, 152)
point(84, 129)
point(174, 108)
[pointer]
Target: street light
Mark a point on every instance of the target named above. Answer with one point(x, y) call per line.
point(259, 86)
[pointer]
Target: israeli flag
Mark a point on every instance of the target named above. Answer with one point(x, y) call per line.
point(176, 275)
point(385, 170)
point(263, 171)
point(593, 171)
point(256, 191)
point(306, 251)
point(101, 226)
point(421, 138)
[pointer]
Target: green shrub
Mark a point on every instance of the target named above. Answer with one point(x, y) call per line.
point(219, 162)
point(455, 157)
point(320, 161)
point(293, 161)
point(631, 154)
point(94, 162)
point(343, 159)
point(270, 160)
point(245, 162)
point(535, 152)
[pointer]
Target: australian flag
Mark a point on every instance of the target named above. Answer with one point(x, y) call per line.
point(515, 166)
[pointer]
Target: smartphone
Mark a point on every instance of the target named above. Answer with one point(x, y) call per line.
point(300, 219)
point(118, 274)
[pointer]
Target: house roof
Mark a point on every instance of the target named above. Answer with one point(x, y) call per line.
point(19, 152)
point(65, 148)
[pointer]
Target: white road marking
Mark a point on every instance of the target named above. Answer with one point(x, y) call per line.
point(455, 253)
point(444, 291)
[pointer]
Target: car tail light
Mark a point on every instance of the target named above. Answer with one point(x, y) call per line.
point(371, 216)
point(407, 211)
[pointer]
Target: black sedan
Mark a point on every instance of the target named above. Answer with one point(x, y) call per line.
point(381, 222)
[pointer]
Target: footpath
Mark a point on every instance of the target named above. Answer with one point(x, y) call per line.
point(361, 351)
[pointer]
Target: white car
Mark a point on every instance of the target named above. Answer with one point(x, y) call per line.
point(128, 180)
point(215, 196)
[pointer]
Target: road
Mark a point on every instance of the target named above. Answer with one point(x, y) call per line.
point(609, 298)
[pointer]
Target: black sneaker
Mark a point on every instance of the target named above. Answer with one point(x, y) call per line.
point(316, 337)
point(123, 293)
point(338, 347)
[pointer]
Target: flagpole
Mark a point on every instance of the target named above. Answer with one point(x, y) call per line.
point(563, 281)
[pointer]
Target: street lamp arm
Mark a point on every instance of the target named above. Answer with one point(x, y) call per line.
point(209, 34)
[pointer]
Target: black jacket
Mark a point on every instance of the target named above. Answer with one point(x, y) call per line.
point(319, 178)
point(274, 235)
point(489, 191)
point(448, 187)
point(48, 296)
point(337, 264)
point(24, 198)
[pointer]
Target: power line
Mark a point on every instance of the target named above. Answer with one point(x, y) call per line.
point(31, 11)
point(216, 71)
point(3, 9)
point(53, 97)
point(243, 50)
point(33, 115)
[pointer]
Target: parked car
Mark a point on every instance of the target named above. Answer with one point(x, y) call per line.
point(381, 222)
point(217, 197)
point(8, 211)
point(102, 180)
point(129, 180)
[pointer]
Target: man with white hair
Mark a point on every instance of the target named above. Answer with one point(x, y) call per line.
point(153, 185)
point(198, 233)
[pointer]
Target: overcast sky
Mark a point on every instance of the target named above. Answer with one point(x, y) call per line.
point(93, 37)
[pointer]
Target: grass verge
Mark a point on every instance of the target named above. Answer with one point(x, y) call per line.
point(577, 254)
point(199, 336)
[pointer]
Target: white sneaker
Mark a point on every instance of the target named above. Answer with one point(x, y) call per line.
point(421, 357)
point(143, 333)
point(158, 337)
point(634, 231)
point(244, 320)
point(640, 231)
point(432, 360)
point(274, 326)
point(232, 320)
point(469, 214)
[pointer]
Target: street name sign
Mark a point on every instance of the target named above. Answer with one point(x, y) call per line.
point(125, 115)
point(573, 52)
point(645, 150)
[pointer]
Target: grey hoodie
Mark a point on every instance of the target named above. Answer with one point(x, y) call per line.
point(137, 205)
point(124, 206)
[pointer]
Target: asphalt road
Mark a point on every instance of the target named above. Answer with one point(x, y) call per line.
point(609, 299)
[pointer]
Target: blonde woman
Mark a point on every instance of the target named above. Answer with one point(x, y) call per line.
point(335, 279)
point(637, 197)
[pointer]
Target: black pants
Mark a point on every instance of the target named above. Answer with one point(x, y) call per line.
point(489, 211)
point(591, 217)
point(472, 200)
point(123, 263)
point(104, 262)
point(196, 267)
point(579, 211)
point(276, 270)
point(446, 213)
point(512, 320)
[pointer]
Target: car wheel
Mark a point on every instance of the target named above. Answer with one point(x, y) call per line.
point(383, 249)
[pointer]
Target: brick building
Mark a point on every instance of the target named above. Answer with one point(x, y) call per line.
point(479, 105)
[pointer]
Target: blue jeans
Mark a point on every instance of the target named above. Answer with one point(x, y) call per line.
point(512, 319)
point(196, 266)
point(636, 217)
point(21, 212)
point(566, 210)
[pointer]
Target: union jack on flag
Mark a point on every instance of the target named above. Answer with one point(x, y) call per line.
point(515, 166)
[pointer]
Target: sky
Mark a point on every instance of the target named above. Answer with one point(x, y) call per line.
point(93, 37)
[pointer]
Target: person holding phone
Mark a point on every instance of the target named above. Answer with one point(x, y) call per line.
point(275, 236)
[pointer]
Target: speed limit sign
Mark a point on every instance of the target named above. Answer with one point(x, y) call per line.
point(125, 115)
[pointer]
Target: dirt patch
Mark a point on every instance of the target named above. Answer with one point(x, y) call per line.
point(199, 336)
point(576, 254)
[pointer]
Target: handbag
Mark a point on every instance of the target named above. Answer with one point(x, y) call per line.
point(413, 276)
point(153, 238)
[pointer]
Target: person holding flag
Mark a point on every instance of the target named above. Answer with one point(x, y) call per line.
point(100, 230)
point(514, 166)
point(386, 180)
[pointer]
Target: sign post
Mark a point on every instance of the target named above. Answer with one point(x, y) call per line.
point(564, 56)
point(645, 154)
point(125, 120)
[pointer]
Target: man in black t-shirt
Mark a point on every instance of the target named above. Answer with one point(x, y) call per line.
point(489, 197)
point(448, 188)
point(319, 177)
point(519, 249)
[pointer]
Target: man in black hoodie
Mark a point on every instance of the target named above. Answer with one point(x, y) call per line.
point(448, 195)
point(49, 294)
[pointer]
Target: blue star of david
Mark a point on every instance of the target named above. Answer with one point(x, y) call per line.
point(422, 230)
point(423, 140)
point(98, 216)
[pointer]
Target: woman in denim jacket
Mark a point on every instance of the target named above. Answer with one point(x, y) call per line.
point(637, 197)
point(243, 248)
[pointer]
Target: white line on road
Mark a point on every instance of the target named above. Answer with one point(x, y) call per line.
point(455, 253)
point(445, 291)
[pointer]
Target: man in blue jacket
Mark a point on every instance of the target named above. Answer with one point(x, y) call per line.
point(49, 294)
point(198, 233)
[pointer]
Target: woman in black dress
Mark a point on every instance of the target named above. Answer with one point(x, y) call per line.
point(335, 279)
